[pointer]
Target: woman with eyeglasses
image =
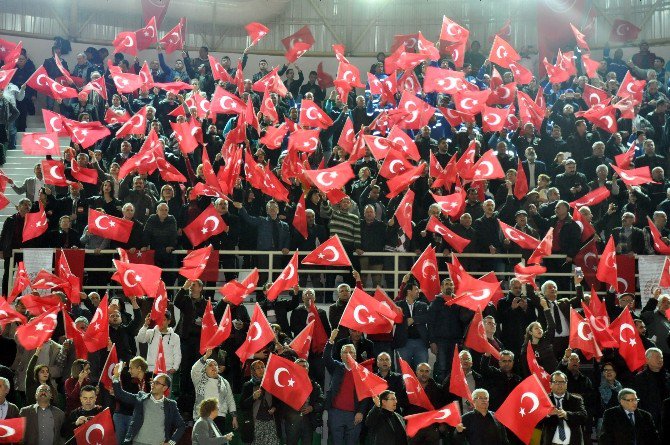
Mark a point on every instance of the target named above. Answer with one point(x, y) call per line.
point(608, 390)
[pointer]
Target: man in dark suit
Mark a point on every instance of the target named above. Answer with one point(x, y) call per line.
point(533, 168)
point(41, 412)
point(7, 409)
point(626, 424)
point(628, 238)
point(597, 158)
point(411, 336)
point(650, 158)
point(565, 422)
point(394, 380)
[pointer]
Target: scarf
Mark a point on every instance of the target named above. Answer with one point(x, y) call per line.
point(607, 391)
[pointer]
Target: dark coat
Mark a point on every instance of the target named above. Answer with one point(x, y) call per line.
point(420, 316)
point(337, 369)
point(617, 429)
point(385, 428)
point(576, 418)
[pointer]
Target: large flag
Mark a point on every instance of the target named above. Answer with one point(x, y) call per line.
point(98, 430)
point(287, 381)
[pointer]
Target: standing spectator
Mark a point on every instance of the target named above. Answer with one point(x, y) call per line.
point(445, 328)
point(210, 385)
point(541, 341)
point(516, 311)
point(385, 426)
point(140, 197)
point(162, 333)
point(652, 384)
point(87, 408)
point(43, 420)
point(11, 238)
point(373, 239)
point(565, 422)
point(32, 186)
point(135, 380)
point(123, 335)
point(499, 381)
point(160, 235)
point(395, 380)
point(80, 372)
point(300, 425)
point(53, 71)
point(626, 424)
point(205, 431)
point(336, 309)
point(313, 87)
point(347, 226)
point(478, 426)
point(644, 58)
point(299, 320)
point(260, 407)
point(628, 239)
point(572, 184)
point(156, 418)
point(411, 336)
point(658, 325)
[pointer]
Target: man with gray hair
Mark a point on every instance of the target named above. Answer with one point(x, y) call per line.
point(43, 420)
point(479, 426)
point(627, 424)
point(652, 384)
point(660, 219)
point(593, 162)
point(627, 237)
point(7, 409)
point(658, 326)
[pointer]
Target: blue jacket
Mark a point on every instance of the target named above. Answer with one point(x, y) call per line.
point(174, 424)
point(337, 369)
point(263, 224)
point(420, 316)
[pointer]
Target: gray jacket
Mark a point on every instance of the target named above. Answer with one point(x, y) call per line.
point(203, 433)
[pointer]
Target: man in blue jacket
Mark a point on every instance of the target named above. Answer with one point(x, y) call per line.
point(153, 412)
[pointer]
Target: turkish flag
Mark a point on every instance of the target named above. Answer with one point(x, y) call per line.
point(402, 182)
point(607, 266)
point(270, 83)
point(452, 31)
point(601, 116)
point(35, 224)
point(494, 119)
point(6, 48)
point(329, 253)
point(6, 77)
point(107, 226)
point(393, 313)
point(582, 338)
point(635, 176)
point(623, 31)
point(587, 229)
point(260, 333)
point(218, 71)
point(37, 305)
point(107, 370)
point(224, 102)
point(331, 178)
point(474, 294)
point(100, 425)
point(443, 81)
point(594, 197)
point(303, 35)
point(125, 82)
point(458, 243)
point(155, 10)
point(319, 337)
point(415, 393)
point(286, 280)
point(12, 56)
point(582, 259)
point(590, 66)
point(195, 262)
point(147, 36)
point(449, 414)
point(399, 137)
point(580, 38)
point(630, 345)
point(403, 213)
point(42, 83)
point(487, 167)
point(395, 163)
point(631, 88)
point(256, 32)
point(521, 184)
point(624, 160)
point(323, 79)
point(418, 111)
point(300, 217)
point(472, 102)
point(522, 75)
point(21, 282)
point(502, 53)
point(207, 224)
point(234, 291)
point(38, 330)
point(594, 96)
point(83, 174)
point(349, 73)
point(364, 313)
point(174, 40)
point(347, 136)
point(159, 305)
point(269, 110)
point(520, 416)
point(160, 367)
point(379, 146)
point(97, 332)
point(113, 117)
point(137, 279)
point(137, 124)
point(366, 383)
point(304, 140)
point(458, 385)
point(523, 240)
point(14, 429)
point(598, 319)
point(426, 271)
point(40, 144)
point(543, 249)
point(386, 88)
point(659, 245)
point(626, 273)
point(274, 136)
point(214, 334)
point(527, 274)
point(9, 315)
point(185, 138)
point(475, 338)
point(97, 86)
point(86, 133)
point(293, 388)
point(126, 42)
point(301, 344)
point(529, 111)
point(537, 370)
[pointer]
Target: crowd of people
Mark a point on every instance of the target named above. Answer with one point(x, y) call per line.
point(219, 397)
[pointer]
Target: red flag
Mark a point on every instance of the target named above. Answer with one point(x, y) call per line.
point(185, 137)
point(135, 125)
point(294, 388)
point(379, 147)
point(147, 36)
point(21, 282)
point(212, 334)
point(474, 294)
point(601, 116)
point(42, 83)
point(527, 274)
point(41, 144)
point(443, 81)
point(301, 344)
point(403, 213)
point(624, 160)
point(300, 217)
point(594, 96)
point(303, 35)
point(304, 140)
point(402, 182)
point(195, 262)
point(502, 53)
point(329, 253)
point(259, 335)
point(173, 40)
point(83, 174)
point(458, 385)
point(398, 136)
point(537, 370)
point(224, 102)
point(286, 280)
point(364, 313)
point(523, 240)
point(452, 31)
point(449, 414)
point(607, 266)
point(521, 184)
point(234, 291)
point(494, 119)
point(108, 226)
point(350, 74)
point(9, 315)
point(659, 245)
point(256, 32)
point(270, 111)
point(137, 279)
point(113, 117)
point(97, 332)
point(126, 42)
point(38, 330)
point(636, 176)
point(476, 339)
point(631, 88)
point(487, 167)
point(97, 86)
point(580, 38)
point(426, 272)
point(155, 10)
point(366, 383)
point(319, 336)
point(458, 243)
point(37, 305)
point(522, 75)
point(323, 79)
point(14, 429)
point(206, 225)
point(581, 336)
point(218, 71)
point(100, 425)
point(595, 196)
point(394, 313)
point(520, 416)
point(35, 224)
point(415, 393)
point(599, 323)
point(543, 249)
point(472, 102)
point(107, 370)
point(160, 305)
point(160, 366)
point(6, 77)
point(418, 111)
point(630, 345)
point(623, 31)
point(626, 273)
point(588, 265)
point(587, 229)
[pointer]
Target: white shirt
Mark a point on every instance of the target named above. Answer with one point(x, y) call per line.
point(565, 323)
point(4, 407)
point(557, 439)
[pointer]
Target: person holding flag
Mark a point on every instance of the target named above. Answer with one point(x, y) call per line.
point(259, 407)
point(385, 425)
point(210, 385)
point(479, 426)
point(82, 414)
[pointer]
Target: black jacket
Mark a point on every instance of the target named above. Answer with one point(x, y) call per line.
point(385, 427)
point(280, 307)
point(420, 316)
point(618, 430)
point(576, 418)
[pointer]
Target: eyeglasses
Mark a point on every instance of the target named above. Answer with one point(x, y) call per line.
point(631, 400)
point(156, 382)
point(559, 383)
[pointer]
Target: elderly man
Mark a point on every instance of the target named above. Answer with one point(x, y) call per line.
point(489, 238)
point(394, 380)
point(566, 421)
point(628, 238)
point(336, 309)
point(346, 225)
point(473, 379)
point(560, 309)
point(7, 409)
point(479, 426)
point(156, 418)
point(627, 424)
point(596, 159)
point(658, 325)
point(500, 380)
point(31, 186)
point(161, 235)
point(653, 384)
point(43, 421)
